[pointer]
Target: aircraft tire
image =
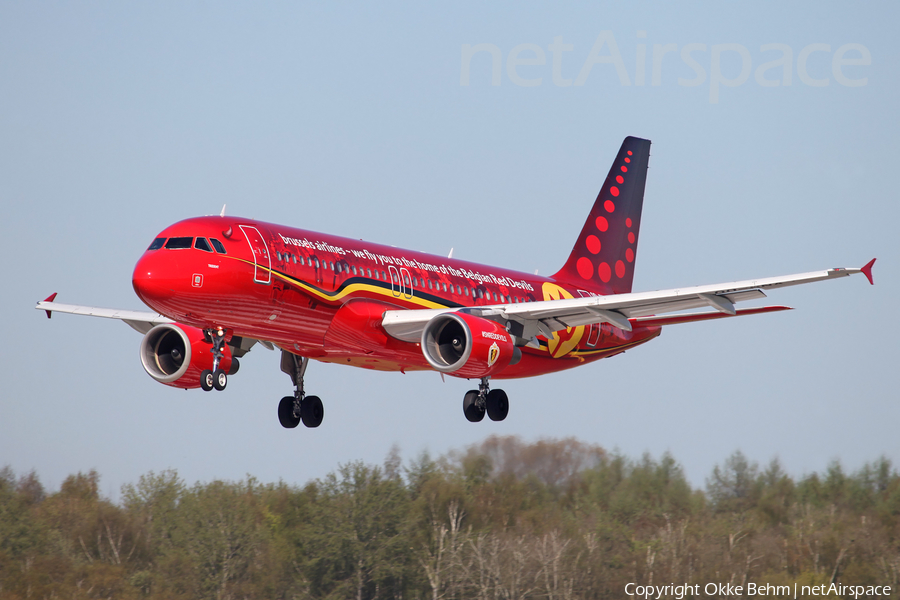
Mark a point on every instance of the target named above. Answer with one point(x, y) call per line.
point(312, 411)
point(286, 413)
point(206, 380)
point(497, 405)
point(220, 379)
point(473, 412)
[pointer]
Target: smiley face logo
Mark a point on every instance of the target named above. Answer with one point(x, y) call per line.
point(566, 340)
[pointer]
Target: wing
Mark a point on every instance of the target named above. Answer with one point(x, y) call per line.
point(140, 321)
point(621, 310)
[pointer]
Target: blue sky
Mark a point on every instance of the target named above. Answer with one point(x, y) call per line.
point(119, 119)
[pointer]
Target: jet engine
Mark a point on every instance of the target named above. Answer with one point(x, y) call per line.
point(468, 346)
point(176, 355)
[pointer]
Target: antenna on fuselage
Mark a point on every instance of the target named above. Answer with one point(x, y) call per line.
point(451, 253)
point(222, 214)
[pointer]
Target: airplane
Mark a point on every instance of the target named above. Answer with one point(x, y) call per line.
point(221, 284)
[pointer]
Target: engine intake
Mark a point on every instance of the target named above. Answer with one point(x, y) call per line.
point(467, 346)
point(176, 355)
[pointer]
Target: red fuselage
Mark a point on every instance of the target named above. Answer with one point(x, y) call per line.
point(323, 296)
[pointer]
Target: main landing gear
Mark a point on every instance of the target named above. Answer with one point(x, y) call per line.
point(299, 407)
point(217, 378)
point(485, 400)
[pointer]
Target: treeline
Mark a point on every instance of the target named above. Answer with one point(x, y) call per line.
point(556, 519)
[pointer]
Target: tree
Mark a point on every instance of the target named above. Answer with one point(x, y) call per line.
point(733, 485)
point(354, 539)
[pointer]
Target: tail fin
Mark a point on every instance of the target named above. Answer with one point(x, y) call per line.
point(604, 256)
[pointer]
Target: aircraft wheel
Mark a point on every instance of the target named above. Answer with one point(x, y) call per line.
point(206, 380)
point(473, 412)
point(220, 379)
point(311, 411)
point(286, 413)
point(497, 405)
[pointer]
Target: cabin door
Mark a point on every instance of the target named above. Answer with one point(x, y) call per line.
point(262, 262)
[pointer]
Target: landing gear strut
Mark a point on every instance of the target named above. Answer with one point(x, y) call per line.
point(299, 407)
point(215, 378)
point(484, 400)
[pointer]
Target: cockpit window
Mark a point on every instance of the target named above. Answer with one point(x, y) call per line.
point(218, 245)
point(157, 244)
point(179, 243)
point(202, 244)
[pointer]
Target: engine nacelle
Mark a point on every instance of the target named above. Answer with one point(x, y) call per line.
point(176, 355)
point(468, 346)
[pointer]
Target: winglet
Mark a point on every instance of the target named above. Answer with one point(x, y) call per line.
point(50, 298)
point(867, 271)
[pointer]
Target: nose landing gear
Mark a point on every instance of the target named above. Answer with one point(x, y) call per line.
point(299, 407)
point(215, 378)
point(484, 400)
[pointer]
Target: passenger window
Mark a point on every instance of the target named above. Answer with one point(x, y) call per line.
point(429, 285)
point(179, 243)
point(480, 295)
point(466, 290)
point(338, 268)
point(201, 244)
point(383, 276)
point(353, 269)
point(331, 265)
point(217, 245)
point(317, 262)
point(369, 273)
point(157, 244)
point(294, 258)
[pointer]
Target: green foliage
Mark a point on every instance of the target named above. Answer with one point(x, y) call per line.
point(500, 519)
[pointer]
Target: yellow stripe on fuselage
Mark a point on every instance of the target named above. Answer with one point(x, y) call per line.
point(345, 290)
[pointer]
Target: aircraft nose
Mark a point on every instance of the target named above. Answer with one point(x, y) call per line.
point(148, 280)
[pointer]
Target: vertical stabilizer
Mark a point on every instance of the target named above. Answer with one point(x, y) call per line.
point(604, 256)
